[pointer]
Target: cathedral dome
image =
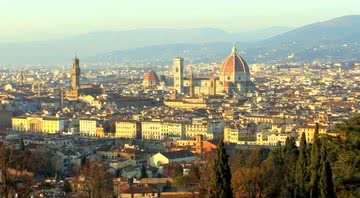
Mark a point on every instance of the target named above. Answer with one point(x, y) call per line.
point(150, 79)
point(234, 63)
point(151, 76)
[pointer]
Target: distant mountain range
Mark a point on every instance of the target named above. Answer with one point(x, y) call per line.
point(335, 39)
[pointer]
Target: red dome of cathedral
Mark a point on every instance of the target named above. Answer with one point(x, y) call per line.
point(151, 76)
point(234, 63)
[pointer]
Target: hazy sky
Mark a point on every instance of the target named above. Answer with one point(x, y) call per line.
point(42, 19)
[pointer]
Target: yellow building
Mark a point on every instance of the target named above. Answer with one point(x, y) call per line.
point(151, 130)
point(271, 139)
point(236, 135)
point(52, 125)
point(184, 104)
point(257, 119)
point(19, 123)
point(127, 129)
point(194, 129)
point(172, 130)
point(38, 124)
point(156, 130)
point(88, 127)
point(309, 131)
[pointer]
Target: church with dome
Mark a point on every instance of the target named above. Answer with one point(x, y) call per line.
point(233, 79)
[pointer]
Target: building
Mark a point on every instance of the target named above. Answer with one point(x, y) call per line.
point(309, 131)
point(53, 125)
point(163, 158)
point(73, 93)
point(19, 123)
point(151, 79)
point(151, 130)
point(234, 78)
point(38, 124)
point(185, 104)
point(178, 72)
point(271, 139)
point(236, 135)
point(88, 127)
point(198, 128)
point(128, 129)
point(156, 130)
point(76, 88)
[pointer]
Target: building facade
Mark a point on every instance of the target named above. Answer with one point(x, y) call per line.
point(128, 129)
point(87, 127)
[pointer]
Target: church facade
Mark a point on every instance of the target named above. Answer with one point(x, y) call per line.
point(234, 78)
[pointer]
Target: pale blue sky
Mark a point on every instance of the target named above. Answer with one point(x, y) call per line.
point(43, 19)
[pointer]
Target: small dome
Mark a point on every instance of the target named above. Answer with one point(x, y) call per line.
point(151, 76)
point(234, 63)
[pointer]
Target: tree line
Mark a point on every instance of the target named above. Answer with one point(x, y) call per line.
point(327, 167)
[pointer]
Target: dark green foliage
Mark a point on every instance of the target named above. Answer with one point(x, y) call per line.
point(302, 174)
point(315, 164)
point(290, 158)
point(143, 172)
point(274, 168)
point(326, 186)
point(220, 181)
point(67, 187)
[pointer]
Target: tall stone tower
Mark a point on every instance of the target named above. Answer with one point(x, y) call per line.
point(75, 74)
point(191, 82)
point(178, 64)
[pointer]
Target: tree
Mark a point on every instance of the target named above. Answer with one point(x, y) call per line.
point(67, 187)
point(178, 170)
point(143, 172)
point(273, 168)
point(315, 164)
point(220, 181)
point(98, 181)
point(194, 173)
point(302, 175)
point(5, 158)
point(290, 157)
point(326, 185)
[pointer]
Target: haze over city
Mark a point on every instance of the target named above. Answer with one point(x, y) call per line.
point(190, 99)
point(41, 19)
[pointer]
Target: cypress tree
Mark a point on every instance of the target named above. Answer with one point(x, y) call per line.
point(301, 175)
point(220, 181)
point(315, 164)
point(326, 185)
point(290, 157)
point(143, 172)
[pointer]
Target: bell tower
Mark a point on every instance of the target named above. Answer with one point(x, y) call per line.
point(178, 67)
point(75, 74)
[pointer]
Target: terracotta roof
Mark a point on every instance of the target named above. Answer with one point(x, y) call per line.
point(178, 154)
point(234, 63)
point(151, 76)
